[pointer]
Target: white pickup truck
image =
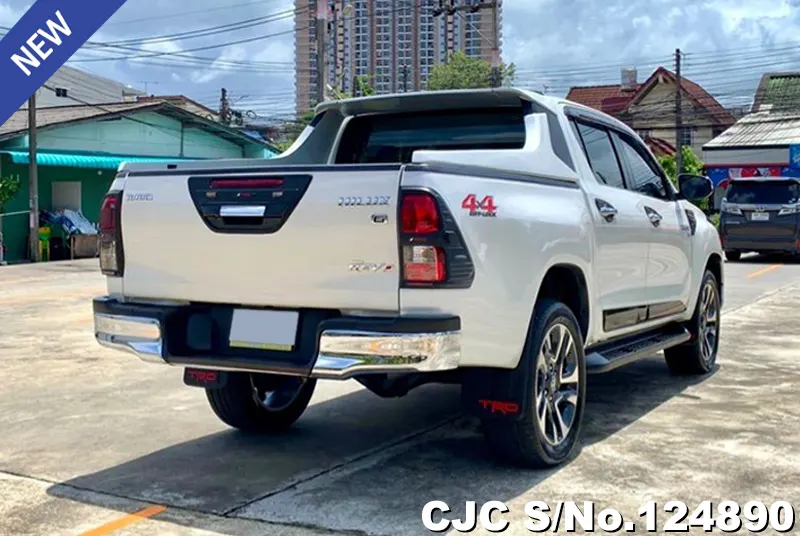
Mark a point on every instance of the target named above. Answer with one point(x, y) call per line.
point(509, 242)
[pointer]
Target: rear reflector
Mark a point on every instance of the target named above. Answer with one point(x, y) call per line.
point(245, 183)
point(419, 213)
point(424, 264)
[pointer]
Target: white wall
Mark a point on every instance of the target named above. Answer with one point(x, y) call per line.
point(747, 156)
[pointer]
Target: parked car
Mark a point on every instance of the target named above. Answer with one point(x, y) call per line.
point(509, 242)
point(760, 215)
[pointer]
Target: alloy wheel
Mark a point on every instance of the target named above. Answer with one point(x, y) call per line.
point(557, 383)
point(709, 321)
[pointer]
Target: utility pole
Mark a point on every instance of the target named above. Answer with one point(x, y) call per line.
point(224, 108)
point(678, 114)
point(33, 182)
point(321, 27)
point(451, 9)
point(333, 28)
point(496, 77)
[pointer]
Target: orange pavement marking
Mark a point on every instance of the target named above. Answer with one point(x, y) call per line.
point(123, 522)
point(763, 271)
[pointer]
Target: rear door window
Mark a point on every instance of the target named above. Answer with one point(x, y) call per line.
point(393, 138)
point(643, 176)
point(763, 192)
point(601, 155)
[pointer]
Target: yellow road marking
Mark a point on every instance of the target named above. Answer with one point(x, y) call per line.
point(763, 271)
point(123, 522)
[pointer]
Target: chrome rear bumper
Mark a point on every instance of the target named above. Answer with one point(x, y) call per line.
point(346, 353)
point(341, 353)
point(136, 335)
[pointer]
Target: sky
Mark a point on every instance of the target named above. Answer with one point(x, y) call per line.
point(555, 44)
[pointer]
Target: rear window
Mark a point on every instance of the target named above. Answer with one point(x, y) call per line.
point(763, 192)
point(386, 138)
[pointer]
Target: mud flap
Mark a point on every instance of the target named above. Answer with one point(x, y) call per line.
point(208, 379)
point(490, 393)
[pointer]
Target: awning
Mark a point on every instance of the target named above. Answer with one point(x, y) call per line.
point(89, 161)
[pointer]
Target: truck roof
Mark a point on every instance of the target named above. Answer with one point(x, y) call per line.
point(434, 100)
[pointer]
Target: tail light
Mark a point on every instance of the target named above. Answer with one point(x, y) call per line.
point(420, 217)
point(419, 214)
point(221, 184)
point(110, 239)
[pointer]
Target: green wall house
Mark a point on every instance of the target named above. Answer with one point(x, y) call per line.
point(81, 147)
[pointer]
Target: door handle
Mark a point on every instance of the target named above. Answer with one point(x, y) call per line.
point(654, 217)
point(242, 211)
point(607, 211)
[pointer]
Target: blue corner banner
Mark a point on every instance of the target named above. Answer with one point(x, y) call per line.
point(46, 36)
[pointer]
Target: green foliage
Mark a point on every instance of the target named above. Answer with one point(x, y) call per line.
point(363, 87)
point(714, 218)
point(467, 72)
point(293, 130)
point(9, 186)
point(691, 165)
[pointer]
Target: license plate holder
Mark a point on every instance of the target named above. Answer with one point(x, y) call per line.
point(759, 216)
point(263, 329)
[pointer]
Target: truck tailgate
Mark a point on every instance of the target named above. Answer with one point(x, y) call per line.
point(318, 237)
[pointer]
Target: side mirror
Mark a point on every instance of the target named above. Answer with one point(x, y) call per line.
point(695, 187)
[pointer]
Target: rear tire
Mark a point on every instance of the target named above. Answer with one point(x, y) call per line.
point(539, 438)
point(699, 355)
point(261, 403)
point(733, 255)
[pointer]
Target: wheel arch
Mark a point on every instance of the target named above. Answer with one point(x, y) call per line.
point(714, 264)
point(567, 282)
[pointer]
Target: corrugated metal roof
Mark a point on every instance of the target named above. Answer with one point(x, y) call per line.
point(67, 114)
point(46, 118)
point(759, 129)
point(88, 161)
point(778, 92)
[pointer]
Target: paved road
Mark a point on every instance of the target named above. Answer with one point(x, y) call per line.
point(88, 436)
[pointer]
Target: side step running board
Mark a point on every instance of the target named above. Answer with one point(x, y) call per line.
point(616, 353)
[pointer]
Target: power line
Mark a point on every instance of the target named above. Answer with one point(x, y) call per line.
point(205, 32)
point(185, 13)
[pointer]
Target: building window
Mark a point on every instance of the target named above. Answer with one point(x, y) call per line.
point(686, 136)
point(61, 92)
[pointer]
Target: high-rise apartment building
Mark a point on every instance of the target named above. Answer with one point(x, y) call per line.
point(392, 44)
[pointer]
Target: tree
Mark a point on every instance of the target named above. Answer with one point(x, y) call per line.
point(362, 87)
point(691, 165)
point(467, 72)
point(9, 186)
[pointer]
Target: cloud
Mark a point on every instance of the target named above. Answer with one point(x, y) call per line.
point(234, 53)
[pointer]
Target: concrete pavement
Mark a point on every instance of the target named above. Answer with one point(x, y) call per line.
point(88, 436)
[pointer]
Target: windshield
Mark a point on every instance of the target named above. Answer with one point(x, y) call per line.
point(394, 138)
point(763, 192)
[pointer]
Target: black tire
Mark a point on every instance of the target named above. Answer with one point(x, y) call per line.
point(522, 441)
point(238, 406)
point(690, 358)
point(733, 255)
